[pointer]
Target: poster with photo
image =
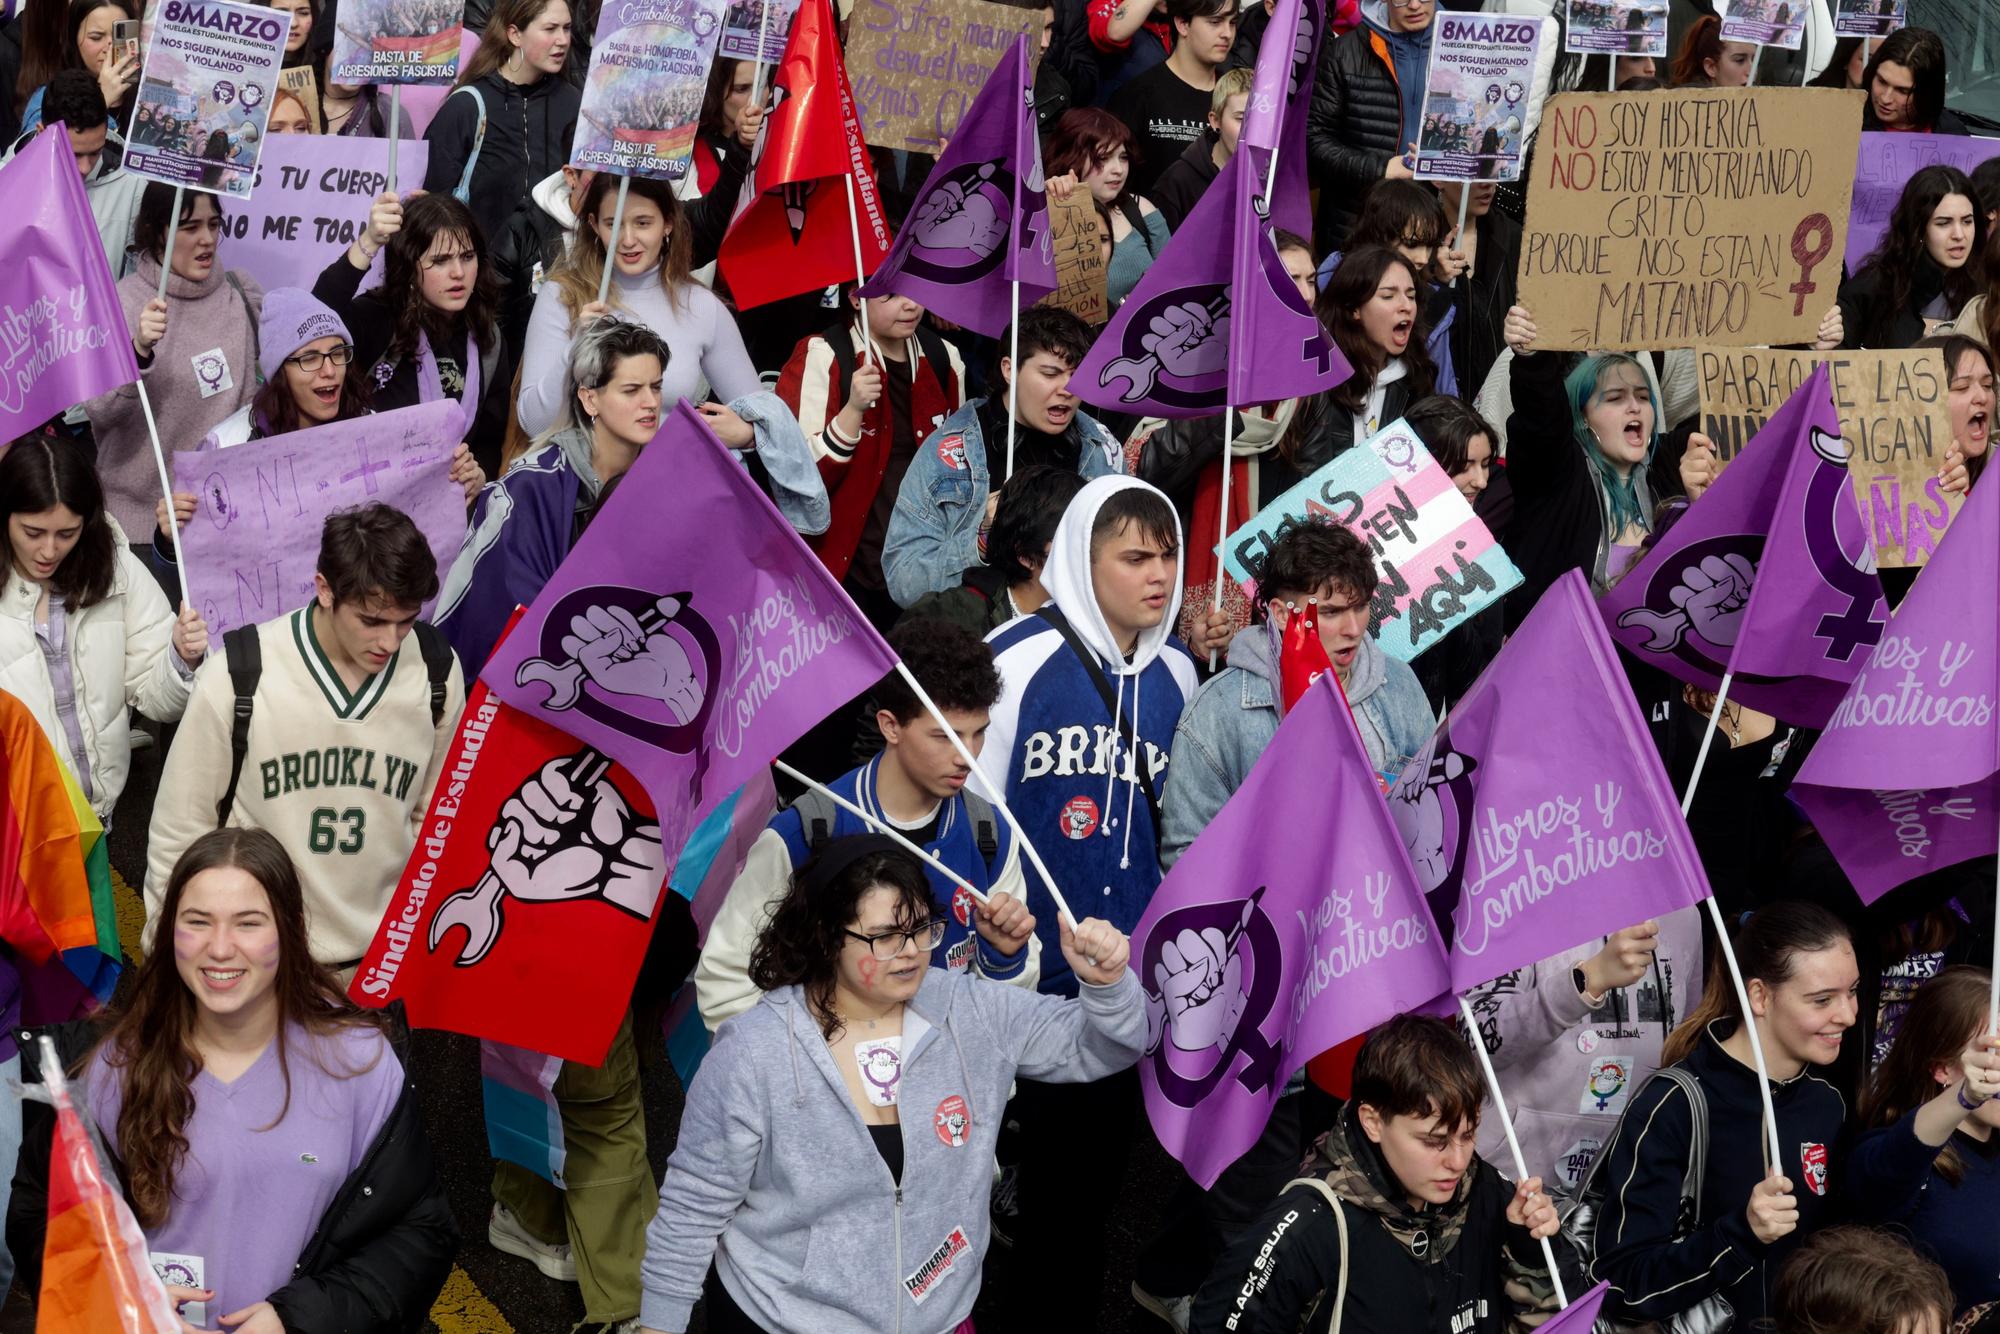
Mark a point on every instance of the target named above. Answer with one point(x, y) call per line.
point(747, 18)
point(210, 76)
point(1765, 22)
point(1869, 18)
point(396, 41)
point(1482, 68)
point(1622, 27)
point(648, 70)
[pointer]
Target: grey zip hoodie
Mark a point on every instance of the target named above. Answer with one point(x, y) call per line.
point(775, 1177)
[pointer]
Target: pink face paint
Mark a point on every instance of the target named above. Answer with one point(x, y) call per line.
point(187, 944)
point(868, 966)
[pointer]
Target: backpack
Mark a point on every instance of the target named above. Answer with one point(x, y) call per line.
point(1579, 1220)
point(462, 192)
point(840, 338)
point(817, 814)
point(245, 655)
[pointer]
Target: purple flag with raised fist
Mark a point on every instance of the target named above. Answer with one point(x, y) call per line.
point(1770, 576)
point(1905, 778)
point(981, 221)
point(1292, 924)
point(1216, 321)
point(1274, 117)
point(689, 634)
point(62, 332)
point(1529, 842)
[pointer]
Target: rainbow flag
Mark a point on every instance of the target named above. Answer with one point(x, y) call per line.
point(98, 964)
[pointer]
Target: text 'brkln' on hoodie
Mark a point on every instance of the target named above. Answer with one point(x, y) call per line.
point(1053, 748)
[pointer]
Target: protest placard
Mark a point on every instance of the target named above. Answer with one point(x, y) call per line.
point(1766, 22)
point(298, 84)
point(1884, 165)
point(747, 20)
point(253, 543)
point(1080, 267)
point(1893, 416)
point(1482, 68)
point(648, 71)
point(396, 41)
point(1440, 566)
point(1623, 27)
point(1869, 18)
point(312, 198)
point(917, 64)
point(1705, 217)
point(210, 74)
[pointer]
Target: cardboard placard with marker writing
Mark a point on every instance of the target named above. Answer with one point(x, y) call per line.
point(916, 65)
point(1894, 418)
point(1711, 217)
point(1081, 272)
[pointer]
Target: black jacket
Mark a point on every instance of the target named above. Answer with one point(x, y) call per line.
point(1180, 187)
point(1869, 321)
point(1477, 336)
point(528, 135)
point(1070, 55)
point(1354, 125)
point(375, 1263)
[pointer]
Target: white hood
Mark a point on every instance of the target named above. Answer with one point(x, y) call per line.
point(1068, 580)
point(551, 195)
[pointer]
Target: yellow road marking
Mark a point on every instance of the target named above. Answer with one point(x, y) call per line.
point(461, 1308)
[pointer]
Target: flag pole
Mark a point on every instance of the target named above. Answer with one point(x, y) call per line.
point(1464, 210)
point(860, 277)
point(611, 245)
point(1222, 523)
point(167, 260)
point(1611, 72)
point(1513, 1142)
point(396, 132)
point(1722, 935)
point(999, 801)
point(166, 487)
point(880, 827)
point(1014, 368)
point(763, 29)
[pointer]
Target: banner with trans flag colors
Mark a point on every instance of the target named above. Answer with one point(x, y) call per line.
point(981, 222)
point(1771, 577)
point(690, 635)
point(62, 332)
point(1528, 837)
point(1905, 778)
point(1293, 923)
point(642, 98)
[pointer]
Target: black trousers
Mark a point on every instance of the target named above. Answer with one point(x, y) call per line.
point(1076, 1140)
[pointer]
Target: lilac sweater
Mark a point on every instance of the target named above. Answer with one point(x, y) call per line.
point(203, 319)
point(249, 1194)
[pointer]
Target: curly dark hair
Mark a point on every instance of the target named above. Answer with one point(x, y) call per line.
point(1309, 556)
point(954, 666)
point(801, 944)
point(426, 218)
point(1905, 243)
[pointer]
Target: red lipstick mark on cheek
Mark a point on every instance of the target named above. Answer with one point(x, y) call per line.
point(868, 967)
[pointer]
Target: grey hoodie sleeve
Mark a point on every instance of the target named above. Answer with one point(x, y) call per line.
point(1522, 1012)
point(721, 1136)
point(1067, 1041)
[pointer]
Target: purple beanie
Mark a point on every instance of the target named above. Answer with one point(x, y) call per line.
point(292, 318)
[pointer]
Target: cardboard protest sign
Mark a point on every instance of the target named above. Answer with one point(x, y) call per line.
point(298, 87)
point(312, 198)
point(210, 74)
point(1622, 27)
point(916, 65)
point(1869, 18)
point(1885, 163)
point(1476, 100)
point(396, 41)
point(1706, 217)
point(253, 542)
point(648, 71)
point(746, 20)
point(1080, 268)
point(1765, 22)
point(1894, 419)
point(1440, 566)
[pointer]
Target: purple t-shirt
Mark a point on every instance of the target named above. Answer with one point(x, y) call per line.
point(249, 1194)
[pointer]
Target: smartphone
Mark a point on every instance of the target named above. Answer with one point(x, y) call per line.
point(125, 40)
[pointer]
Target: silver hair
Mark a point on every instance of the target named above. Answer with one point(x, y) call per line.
point(595, 355)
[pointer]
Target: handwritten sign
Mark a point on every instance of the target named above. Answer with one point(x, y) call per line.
point(1623, 27)
point(1482, 67)
point(917, 64)
point(1894, 418)
point(1708, 217)
point(748, 20)
point(1439, 564)
point(253, 543)
point(1765, 22)
point(1869, 18)
point(642, 99)
point(311, 201)
point(297, 84)
point(396, 41)
point(1080, 267)
point(211, 72)
point(1884, 165)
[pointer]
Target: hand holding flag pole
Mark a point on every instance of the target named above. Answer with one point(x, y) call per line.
point(884, 828)
point(1513, 1143)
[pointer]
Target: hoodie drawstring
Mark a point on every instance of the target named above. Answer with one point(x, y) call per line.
point(1132, 783)
point(1111, 769)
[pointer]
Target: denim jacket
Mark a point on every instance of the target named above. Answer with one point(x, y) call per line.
point(933, 535)
point(1235, 714)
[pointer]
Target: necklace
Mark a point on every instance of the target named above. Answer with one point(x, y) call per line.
point(1735, 721)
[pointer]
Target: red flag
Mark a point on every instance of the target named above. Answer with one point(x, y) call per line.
point(791, 233)
point(1302, 658)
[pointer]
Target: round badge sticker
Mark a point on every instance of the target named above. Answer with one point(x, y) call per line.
point(953, 1122)
point(1587, 1041)
point(961, 905)
point(1078, 818)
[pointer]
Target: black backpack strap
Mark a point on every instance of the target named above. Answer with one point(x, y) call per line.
point(816, 818)
point(933, 351)
point(438, 660)
point(1126, 729)
point(244, 653)
point(985, 829)
point(841, 339)
point(1128, 204)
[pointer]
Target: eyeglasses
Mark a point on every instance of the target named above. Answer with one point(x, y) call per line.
point(467, 257)
point(892, 943)
point(310, 362)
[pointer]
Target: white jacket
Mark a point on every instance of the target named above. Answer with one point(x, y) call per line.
point(121, 657)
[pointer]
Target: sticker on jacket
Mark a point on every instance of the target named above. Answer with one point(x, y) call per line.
point(1812, 1157)
point(1078, 818)
point(1608, 1085)
point(962, 905)
point(951, 452)
point(1574, 1161)
point(211, 372)
point(953, 1122)
point(959, 956)
point(184, 1271)
point(922, 1283)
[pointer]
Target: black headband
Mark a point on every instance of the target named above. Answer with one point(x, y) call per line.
point(842, 853)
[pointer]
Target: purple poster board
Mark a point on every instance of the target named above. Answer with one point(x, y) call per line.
point(1886, 162)
point(311, 201)
point(211, 70)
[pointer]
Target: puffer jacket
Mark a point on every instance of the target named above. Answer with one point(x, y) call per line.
point(121, 657)
point(1354, 125)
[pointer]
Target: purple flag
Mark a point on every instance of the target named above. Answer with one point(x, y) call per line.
point(1529, 843)
point(689, 635)
point(1216, 321)
point(1259, 951)
point(1579, 1316)
point(1274, 119)
point(1771, 576)
point(62, 332)
point(981, 221)
point(1906, 777)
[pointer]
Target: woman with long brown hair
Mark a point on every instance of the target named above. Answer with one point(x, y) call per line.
point(268, 1135)
point(1929, 1163)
